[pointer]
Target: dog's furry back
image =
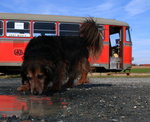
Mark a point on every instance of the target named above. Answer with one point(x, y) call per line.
point(47, 47)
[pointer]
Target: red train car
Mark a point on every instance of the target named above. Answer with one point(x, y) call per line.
point(17, 29)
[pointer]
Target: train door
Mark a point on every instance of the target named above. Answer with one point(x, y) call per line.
point(115, 48)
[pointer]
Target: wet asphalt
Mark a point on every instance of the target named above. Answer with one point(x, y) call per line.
point(103, 100)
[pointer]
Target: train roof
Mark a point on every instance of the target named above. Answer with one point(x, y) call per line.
point(71, 19)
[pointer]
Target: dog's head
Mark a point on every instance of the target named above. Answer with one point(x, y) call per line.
point(38, 74)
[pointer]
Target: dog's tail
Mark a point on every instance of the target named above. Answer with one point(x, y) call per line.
point(93, 37)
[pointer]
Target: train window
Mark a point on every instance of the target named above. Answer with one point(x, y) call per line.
point(18, 29)
point(128, 37)
point(44, 28)
point(1, 28)
point(101, 29)
point(69, 29)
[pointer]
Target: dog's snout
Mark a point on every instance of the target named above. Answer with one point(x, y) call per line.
point(36, 92)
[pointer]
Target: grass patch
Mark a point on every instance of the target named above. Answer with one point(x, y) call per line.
point(9, 76)
point(140, 70)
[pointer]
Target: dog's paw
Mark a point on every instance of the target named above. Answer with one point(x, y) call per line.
point(80, 82)
point(24, 87)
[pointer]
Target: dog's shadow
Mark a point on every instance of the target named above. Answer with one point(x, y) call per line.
point(51, 93)
point(92, 85)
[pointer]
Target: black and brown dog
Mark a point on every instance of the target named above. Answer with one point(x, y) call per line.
point(59, 60)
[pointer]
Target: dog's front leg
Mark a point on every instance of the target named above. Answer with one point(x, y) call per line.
point(83, 79)
point(24, 87)
point(56, 86)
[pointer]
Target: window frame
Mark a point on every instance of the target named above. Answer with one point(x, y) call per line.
point(48, 30)
point(102, 29)
point(128, 35)
point(2, 28)
point(18, 34)
point(68, 31)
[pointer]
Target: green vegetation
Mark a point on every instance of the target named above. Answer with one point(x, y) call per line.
point(134, 72)
point(9, 76)
point(139, 73)
point(140, 70)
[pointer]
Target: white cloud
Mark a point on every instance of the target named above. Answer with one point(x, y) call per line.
point(34, 6)
point(99, 10)
point(137, 7)
point(105, 9)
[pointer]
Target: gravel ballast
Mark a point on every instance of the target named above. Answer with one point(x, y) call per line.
point(103, 100)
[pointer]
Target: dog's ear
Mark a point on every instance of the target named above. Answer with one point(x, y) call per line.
point(49, 72)
point(24, 77)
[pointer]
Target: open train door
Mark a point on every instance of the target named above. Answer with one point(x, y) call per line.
point(120, 50)
point(116, 48)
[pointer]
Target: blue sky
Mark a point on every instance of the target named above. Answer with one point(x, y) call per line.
point(134, 12)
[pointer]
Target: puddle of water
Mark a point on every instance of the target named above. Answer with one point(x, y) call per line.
point(35, 106)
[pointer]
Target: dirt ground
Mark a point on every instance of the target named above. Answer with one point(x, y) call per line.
point(140, 67)
point(103, 100)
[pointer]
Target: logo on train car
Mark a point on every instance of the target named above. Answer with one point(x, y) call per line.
point(18, 52)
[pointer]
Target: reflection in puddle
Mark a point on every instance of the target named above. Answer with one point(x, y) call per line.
point(30, 105)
